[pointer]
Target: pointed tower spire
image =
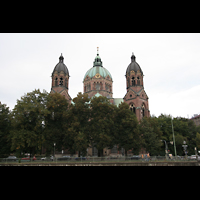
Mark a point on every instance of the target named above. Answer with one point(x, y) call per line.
point(97, 50)
point(132, 57)
point(61, 58)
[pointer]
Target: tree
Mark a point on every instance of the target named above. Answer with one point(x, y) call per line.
point(101, 124)
point(198, 140)
point(57, 106)
point(5, 127)
point(184, 129)
point(77, 135)
point(151, 135)
point(28, 122)
point(179, 142)
point(126, 130)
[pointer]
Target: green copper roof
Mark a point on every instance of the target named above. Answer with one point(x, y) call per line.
point(97, 68)
point(97, 95)
point(94, 70)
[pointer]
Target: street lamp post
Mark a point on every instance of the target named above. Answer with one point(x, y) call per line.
point(166, 151)
point(185, 148)
point(54, 149)
point(173, 138)
point(196, 153)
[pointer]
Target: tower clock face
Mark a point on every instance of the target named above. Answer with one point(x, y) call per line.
point(97, 75)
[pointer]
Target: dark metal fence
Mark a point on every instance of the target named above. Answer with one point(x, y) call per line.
point(67, 159)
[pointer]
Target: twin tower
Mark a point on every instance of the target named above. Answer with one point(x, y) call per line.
point(99, 82)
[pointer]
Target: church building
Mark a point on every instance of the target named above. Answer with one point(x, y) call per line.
point(98, 82)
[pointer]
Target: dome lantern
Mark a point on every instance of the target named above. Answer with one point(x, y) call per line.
point(97, 61)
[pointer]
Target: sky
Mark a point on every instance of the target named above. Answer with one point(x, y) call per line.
point(170, 63)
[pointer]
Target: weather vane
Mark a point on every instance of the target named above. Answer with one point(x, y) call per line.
point(97, 50)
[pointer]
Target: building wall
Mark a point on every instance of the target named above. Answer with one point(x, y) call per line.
point(62, 89)
point(105, 86)
point(196, 120)
point(137, 97)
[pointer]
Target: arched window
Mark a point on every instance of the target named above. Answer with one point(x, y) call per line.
point(101, 86)
point(56, 81)
point(133, 81)
point(142, 110)
point(97, 86)
point(132, 108)
point(66, 83)
point(88, 87)
point(61, 81)
point(128, 82)
point(107, 87)
point(138, 81)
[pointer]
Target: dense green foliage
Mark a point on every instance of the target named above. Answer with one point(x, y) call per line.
point(5, 128)
point(127, 134)
point(28, 120)
point(40, 119)
point(151, 135)
point(76, 132)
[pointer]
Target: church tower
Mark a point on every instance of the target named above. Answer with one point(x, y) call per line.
point(98, 80)
point(60, 79)
point(136, 96)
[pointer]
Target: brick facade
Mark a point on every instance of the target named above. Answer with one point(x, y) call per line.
point(196, 120)
point(136, 96)
point(98, 84)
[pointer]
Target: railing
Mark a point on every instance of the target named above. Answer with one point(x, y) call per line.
point(40, 159)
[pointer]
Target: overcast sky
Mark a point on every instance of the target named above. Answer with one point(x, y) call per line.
point(170, 63)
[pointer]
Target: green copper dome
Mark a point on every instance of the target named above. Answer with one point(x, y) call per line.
point(97, 68)
point(94, 70)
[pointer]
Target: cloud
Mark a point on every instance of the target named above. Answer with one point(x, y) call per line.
point(184, 103)
point(170, 63)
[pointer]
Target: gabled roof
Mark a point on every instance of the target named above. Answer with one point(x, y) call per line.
point(136, 93)
point(195, 117)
